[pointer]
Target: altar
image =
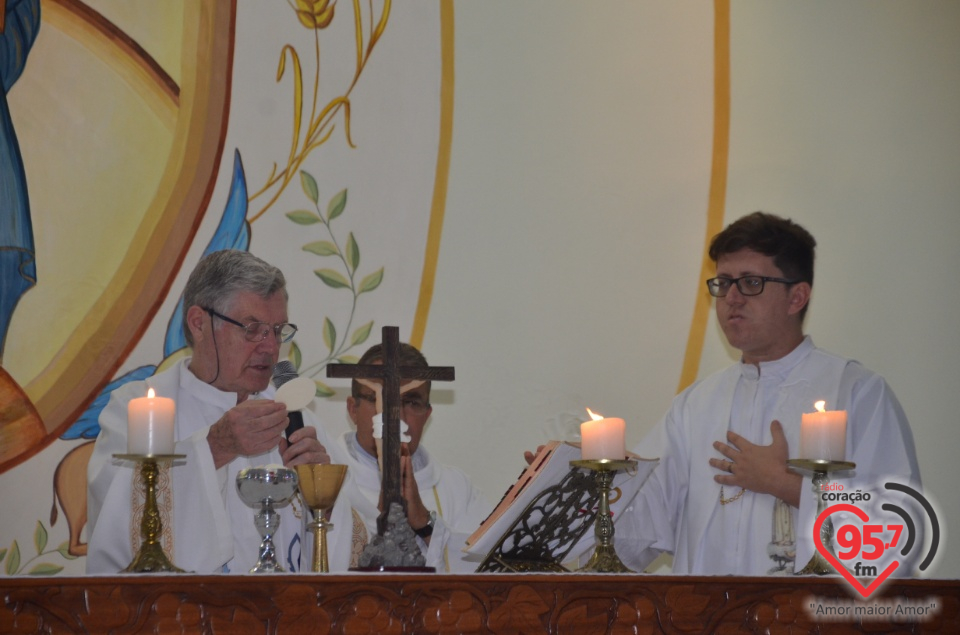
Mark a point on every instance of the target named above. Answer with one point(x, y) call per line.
point(478, 603)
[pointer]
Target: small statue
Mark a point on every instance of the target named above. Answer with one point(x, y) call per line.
point(392, 548)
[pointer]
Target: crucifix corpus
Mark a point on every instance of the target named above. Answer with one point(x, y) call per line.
point(391, 373)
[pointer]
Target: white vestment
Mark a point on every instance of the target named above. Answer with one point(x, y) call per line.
point(460, 506)
point(208, 526)
point(678, 510)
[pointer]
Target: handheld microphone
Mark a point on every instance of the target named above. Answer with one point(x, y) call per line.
point(285, 374)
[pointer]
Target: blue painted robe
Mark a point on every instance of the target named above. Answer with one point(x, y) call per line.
point(18, 270)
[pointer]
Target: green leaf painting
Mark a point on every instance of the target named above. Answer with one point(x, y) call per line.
point(12, 558)
point(323, 390)
point(372, 281)
point(336, 206)
point(341, 271)
point(353, 253)
point(333, 278)
point(295, 356)
point(322, 248)
point(361, 334)
point(329, 334)
point(303, 217)
point(309, 133)
point(40, 538)
point(12, 564)
point(310, 186)
point(45, 569)
point(64, 550)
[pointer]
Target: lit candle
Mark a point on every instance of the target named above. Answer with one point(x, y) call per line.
point(150, 425)
point(603, 438)
point(823, 434)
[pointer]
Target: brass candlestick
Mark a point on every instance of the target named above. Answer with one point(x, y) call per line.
point(150, 558)
point(604, 558)
point(320, 485)
point(818, 565)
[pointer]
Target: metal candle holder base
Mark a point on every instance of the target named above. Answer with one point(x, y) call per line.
point(604, 558)
point(818, 565)
point(150, 558)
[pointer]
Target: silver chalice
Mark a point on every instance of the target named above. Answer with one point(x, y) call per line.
point(267, 488)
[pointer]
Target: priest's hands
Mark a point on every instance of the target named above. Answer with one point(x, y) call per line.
point(252, 427)
point(303, 448)
point(256, 426)
point(758, 468)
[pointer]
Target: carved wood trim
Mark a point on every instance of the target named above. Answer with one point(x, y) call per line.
point(431, 603)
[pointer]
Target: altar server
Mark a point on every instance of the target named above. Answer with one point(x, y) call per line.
point(443, 506)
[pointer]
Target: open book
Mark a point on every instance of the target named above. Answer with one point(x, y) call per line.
point(548, 468)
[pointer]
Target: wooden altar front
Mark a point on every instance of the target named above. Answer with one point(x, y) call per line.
point(480, 603)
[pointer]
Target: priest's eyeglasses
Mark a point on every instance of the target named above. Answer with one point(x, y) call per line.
point(412, 406)
point(258, 331)
point(747, 285)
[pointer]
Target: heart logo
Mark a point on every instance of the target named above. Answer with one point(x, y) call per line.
point(833, 560)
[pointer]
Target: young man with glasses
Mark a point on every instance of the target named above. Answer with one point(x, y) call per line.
point(234, 319)
point(723, 499)
point(443, 506)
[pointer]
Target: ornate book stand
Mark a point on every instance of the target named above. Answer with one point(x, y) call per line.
point(548, 529)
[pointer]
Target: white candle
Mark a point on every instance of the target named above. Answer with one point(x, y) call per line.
point(823, 434)
point(603, 438)
point(150, 425)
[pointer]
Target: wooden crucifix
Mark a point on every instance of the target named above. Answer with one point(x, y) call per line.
point(392, 374)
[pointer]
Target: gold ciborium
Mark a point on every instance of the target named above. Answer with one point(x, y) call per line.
point(320, 485)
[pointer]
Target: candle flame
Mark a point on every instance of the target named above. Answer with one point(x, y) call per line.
point(594, 415)
point(820, 405)
point(151, 394)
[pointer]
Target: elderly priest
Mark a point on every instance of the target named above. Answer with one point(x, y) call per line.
point(234, 318)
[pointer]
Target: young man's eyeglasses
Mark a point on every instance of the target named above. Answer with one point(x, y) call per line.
point(747, 285)
point(258, 331)
point(411, 406)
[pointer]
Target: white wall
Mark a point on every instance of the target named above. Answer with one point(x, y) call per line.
point(578, 189)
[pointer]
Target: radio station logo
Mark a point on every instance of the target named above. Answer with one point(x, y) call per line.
point(872, 548)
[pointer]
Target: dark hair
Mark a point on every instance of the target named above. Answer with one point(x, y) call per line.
point(409, 356)
point(790, 245)
point(219, 276)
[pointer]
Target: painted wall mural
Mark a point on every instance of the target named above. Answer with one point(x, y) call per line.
point(154, 133)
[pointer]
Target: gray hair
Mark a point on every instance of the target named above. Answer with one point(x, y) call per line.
point(220, 276)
